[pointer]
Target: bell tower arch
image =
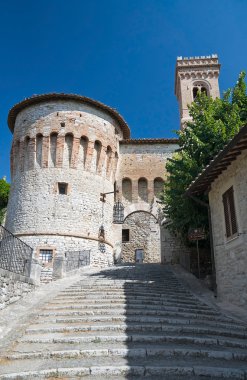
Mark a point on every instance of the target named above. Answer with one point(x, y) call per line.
point(193, 75)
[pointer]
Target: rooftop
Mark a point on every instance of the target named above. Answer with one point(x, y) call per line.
point(150, 141)
point(35, 99)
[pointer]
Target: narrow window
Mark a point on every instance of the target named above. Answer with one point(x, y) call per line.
point(108, 159)
point(62, 188)
point(68, 149)
point(83, 152)
point(115, 191)
point(125, 235)
point(53, 149)
point(45, 255)
point(39, 148)
point(230, 213)
point(204, 91)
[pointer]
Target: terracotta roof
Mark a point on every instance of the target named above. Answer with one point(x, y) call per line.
point(150, 141)
point(219, 163)
point(35, 99)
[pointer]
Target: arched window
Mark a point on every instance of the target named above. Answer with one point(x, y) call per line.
point(39, 148)
point(143, 190)
point(96, 155)
point(108, 159)
point(53, 149)
point(83, 152)
point(127, 190)
point(68, 146)
point(158, 187)
point(26, 153)
point(200, 87)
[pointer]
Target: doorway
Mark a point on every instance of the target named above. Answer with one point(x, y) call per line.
point(139, 255)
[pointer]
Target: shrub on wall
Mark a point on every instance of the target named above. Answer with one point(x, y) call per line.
point(4, 195)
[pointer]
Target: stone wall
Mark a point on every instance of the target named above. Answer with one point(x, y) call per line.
point(144, 233)
point(60, 244)
point(142, 164)
point(230, 253)
point(63, 142)
point(140, 179)
point(13, 287)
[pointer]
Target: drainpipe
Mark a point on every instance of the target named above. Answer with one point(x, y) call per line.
point(204, 204)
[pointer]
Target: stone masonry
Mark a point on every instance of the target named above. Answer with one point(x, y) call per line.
point(230, 254)
point(13, 287)
point(68, 149)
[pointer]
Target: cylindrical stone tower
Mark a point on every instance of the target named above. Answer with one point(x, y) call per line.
point(64, 154)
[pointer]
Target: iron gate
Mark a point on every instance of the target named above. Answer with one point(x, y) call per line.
point(77, 259)
point(14, 253)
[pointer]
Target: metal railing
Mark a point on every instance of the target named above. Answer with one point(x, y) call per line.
point(77, 259)
point(15, 255)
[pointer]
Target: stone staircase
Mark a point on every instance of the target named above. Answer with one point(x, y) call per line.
point(128, 322)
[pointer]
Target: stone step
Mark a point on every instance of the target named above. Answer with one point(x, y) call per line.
point(105, 315)
point(129, 311)
point(187, 328)
point(132, 318)
point(162, 306)
point(60, 341)
point(137, 353)
point(140, 338)
point(133, 372)
point(123, 302)
point(106, 367)
point(156, 292)
point(94, 295)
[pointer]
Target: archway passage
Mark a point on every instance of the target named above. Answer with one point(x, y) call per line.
point(141, 232)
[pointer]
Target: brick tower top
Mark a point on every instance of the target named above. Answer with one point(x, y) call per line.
point(195, 74)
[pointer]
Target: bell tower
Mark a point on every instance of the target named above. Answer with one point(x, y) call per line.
point(195, 74)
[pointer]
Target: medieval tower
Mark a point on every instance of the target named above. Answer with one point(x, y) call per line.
point(65, 153)
point(68, 149)
point(192, 75)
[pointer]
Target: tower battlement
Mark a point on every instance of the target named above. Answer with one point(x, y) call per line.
point(198, 59)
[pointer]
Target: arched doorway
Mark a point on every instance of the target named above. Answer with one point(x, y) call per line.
point(141, 232)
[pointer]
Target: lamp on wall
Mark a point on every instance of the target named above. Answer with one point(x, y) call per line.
point(101, 233)
point(118, 213)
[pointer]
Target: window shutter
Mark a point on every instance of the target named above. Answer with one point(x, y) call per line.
point(232, 212)
point(227, 216)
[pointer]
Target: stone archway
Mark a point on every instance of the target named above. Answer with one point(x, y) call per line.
point(141, 230)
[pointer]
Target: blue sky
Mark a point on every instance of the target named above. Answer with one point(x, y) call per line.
point(120, 52)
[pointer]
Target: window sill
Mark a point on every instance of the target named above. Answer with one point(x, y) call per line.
point(232, 238)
